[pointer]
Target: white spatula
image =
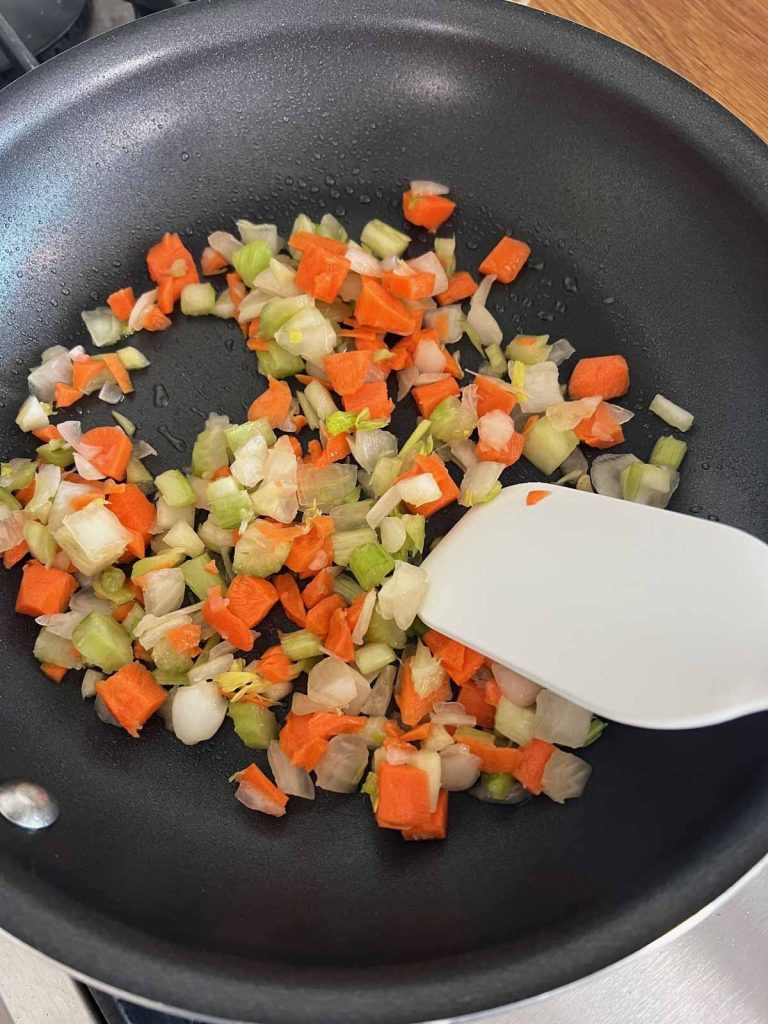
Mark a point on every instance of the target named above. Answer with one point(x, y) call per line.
point(645, 616)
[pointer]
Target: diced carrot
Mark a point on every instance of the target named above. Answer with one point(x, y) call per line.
point(122, 302)
point(275, 666)
point(254, 776)
point(306, 240)
point(257, 344)
point(171, 260)
point(212, 262)
point(321, 273)
point(67, 395)
point(601, 429)
point(320, 587)
point(236, 288)
point(460, 287)
point(506, 259)
point(433, 464)
point(429, 396)
point(375, 307)
point(115, 450)
point(86, 374)
point(312, 551)
point(472, 696)
point(417, 285)
point(135, 548)
point(459, 661)
point(290, 599)
point(44, 591)
point(451, 365)
point(131, 695)
point(251, 599)
point(155, 320)
point(81, 501)
point(492, 396)
point(354, 611)
point(347, 371)
point(300, 421)
point(185, 639)
point(216, 613)
point(336, 449)
point(165, 300)
point(534, 497)
point(415, 735)
point(492, 758)
point(414, 707)
point(372, 397)
point(122, 377)
point(427, 211)
point(433, 827)
point(403, 796)
point(508, 455)
point(15, 554)
point(121, 612)
point(280, 533)
point(492, 692)
point(25, 494)
point(46, 434)
point(339, 638)
point(274, 403)
point(211, 566)
point(607, 376)
point(319, 617)
point(54, 672)
point(301, 730)
point(140, 652)
point(530, 771)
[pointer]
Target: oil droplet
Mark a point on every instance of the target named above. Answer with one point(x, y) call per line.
point(705, 465)
point(560, 306)
point(175, 442)
point(609, 300)
point(713, 518)
point(160, 396)
point(536, 264)
point(65, 291)
point(695, 509)
point(543, 315)
point(472, 246)
point(185, 156)
point(229, 344)
point(330, 180)
point(570, 284)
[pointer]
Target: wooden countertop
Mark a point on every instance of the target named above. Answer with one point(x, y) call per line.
point(719, 45)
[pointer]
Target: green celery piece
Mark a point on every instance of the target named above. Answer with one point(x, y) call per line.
point(384, 240)
point(344, 542)
point(229, 502)
point(596, 729)
point(370, 564)
point(240, 433)
point(385, 631)
point(536, 352)
point(198, 299)
point(41, 542)
point(197, 577)
point(19, 477)
point(257, 556)
point(668, 451)
point(57, 453)
point(251, 259)
point(137, 473)
point(415, 527)
point(373, 657)
point(276, 362)
point(122, 596)
point(170, 678)
point(169, 559)
point(175, 488)
point(646, 484)
point(475, 734)
point(277, 312)
point(255, 726)
point(496, 360)
point(102, 642)
point(132, 358)
point(548, 448)
point(371, 788)
point(168, 659)
point(445, 250)
point(7, 499)
point(329, 227)
point(133, 618)
point(209, 452)
point(302, 225)
point(340, 423)
point(419, 434)
point(497, 784)
point(348, 587)
point(451, 421)
point(301, 644)
point(112, 580)
point(417, 629)
point(387, 470)
point(351, 516)
point(56, 650)
point(127, 426)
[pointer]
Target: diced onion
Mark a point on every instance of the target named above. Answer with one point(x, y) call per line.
point(428, 263)
point(560, 351)
point(428, 358)
point(43, 379)
point(496, 429)
point(110, 393)
point(364, 618)
point(393, 534)
point(428, 188)
point(565, 776)
point(418, 490)
point(405, 381)
point(567, 415)
point(401, 595)
point(143, 303)
point(542, 387)
point(225, 244)
point(341, 767)
point(606, 473)
point(331, 683)
point(164, 591)
point(561, 721)
point(459, 768)
point(620, 414)
point(11, 528)
point(479, 480)
point(198, 711)
point(447, 712)
point(256, 800)
point(368, 446)
point(482, 322)
point(289, 777)
point(516, 688)
point(381, 692)
point(362, 262)
point(31, 415)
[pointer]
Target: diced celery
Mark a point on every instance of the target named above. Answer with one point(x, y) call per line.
point(209, 452)
point(348, 587)
point(517, 724)
point(215, 537)
point(417, 629)
point(103, 326)
point(497, 784)
point(321, 400)
point(229, 502)
point(175, 488)
point(596, 728)
point(127, 426)
point(181, 535)
point(133, 618)
point(672, 414)
point(475, 734)
point(117, 597)
point(383, 240)
point(329, 227)
point(41, 542)
point(197, 299)
point(257, 556)
point(167, 516)
point(345, 542)
point(451, 420)
point(8, 500)
point(302, 225)
point(16, 475)
point(371, 788)
point(137, 473)
point(385, 631)
point(370, 563)
point(445, 250)
point(278, 312)
point(351, 516)
point(112, 580)
point(170, 678)
point(102, 642)
point(224, 307)
point(528, 349)
point(386, 471)
point(251, 259)
point(167, 560)
point(308, 410)
point(413, 445)
point(256, 726)
point(56, 650)
point(301, 644)
point(648, 485)
point(415, 528)
point(57, 453)
point(371, 658)
point(340, 423)
point(168, 659)
point(132, 358)
point(546, 447)
point(276, 362)
point(668, 451)
point(239, 433)
point(197, 577)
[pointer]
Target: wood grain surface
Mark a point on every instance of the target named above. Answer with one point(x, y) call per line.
point(719, 45)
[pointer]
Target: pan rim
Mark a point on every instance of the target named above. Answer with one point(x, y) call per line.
point(74, 937)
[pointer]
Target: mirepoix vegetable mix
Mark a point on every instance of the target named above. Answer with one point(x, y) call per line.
point(152, 588)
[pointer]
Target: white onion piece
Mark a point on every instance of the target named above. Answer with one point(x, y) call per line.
point(143, 303)
point(86, 469)
point(302, 705)
point(393, 535)
point(430, 378)
point(88, 685)
point(516, 688)
point(419, 490)
point(421, 187)
point(278, 691)
point(57, 369)
point(103, 714)
point(561, 721)
point(447, 323)
point(331, 683)
point(401, 595)
point(390, 263)
point(496, 429)
point(342, 765)
point(427, 672)
point(47, 480)
point(565, 776)
point(459, 768)
point(255, 800)
point(150, 629)
point(62, 624)
point(575, 463)
point(225, 244)
point(430, 264)
point(463, 453)
point(368, 446)
point(289, 777)
point(439, 738)
point(250, 462)
point(389, 501)
point(405, 381)
point(620, 414)
point(362, 262)
point(31, 415)
point(250, 232)
point(542, 387)
point(164, 591)
point(479, 480)
point(381, 693)
point(606, 473)
point(198, 711)
point(428, 358)
point(560, 351)
point(142, 450)
point(364, 618)
point(451, 712)
point(567, 415)
point(110, 393)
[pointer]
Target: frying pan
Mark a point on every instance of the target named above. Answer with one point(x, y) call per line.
point(645, 204)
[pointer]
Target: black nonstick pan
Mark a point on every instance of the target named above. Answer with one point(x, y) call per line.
point(646, 207)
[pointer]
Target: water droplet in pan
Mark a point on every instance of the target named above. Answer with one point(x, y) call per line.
point(160, 396)
point(175, 442)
